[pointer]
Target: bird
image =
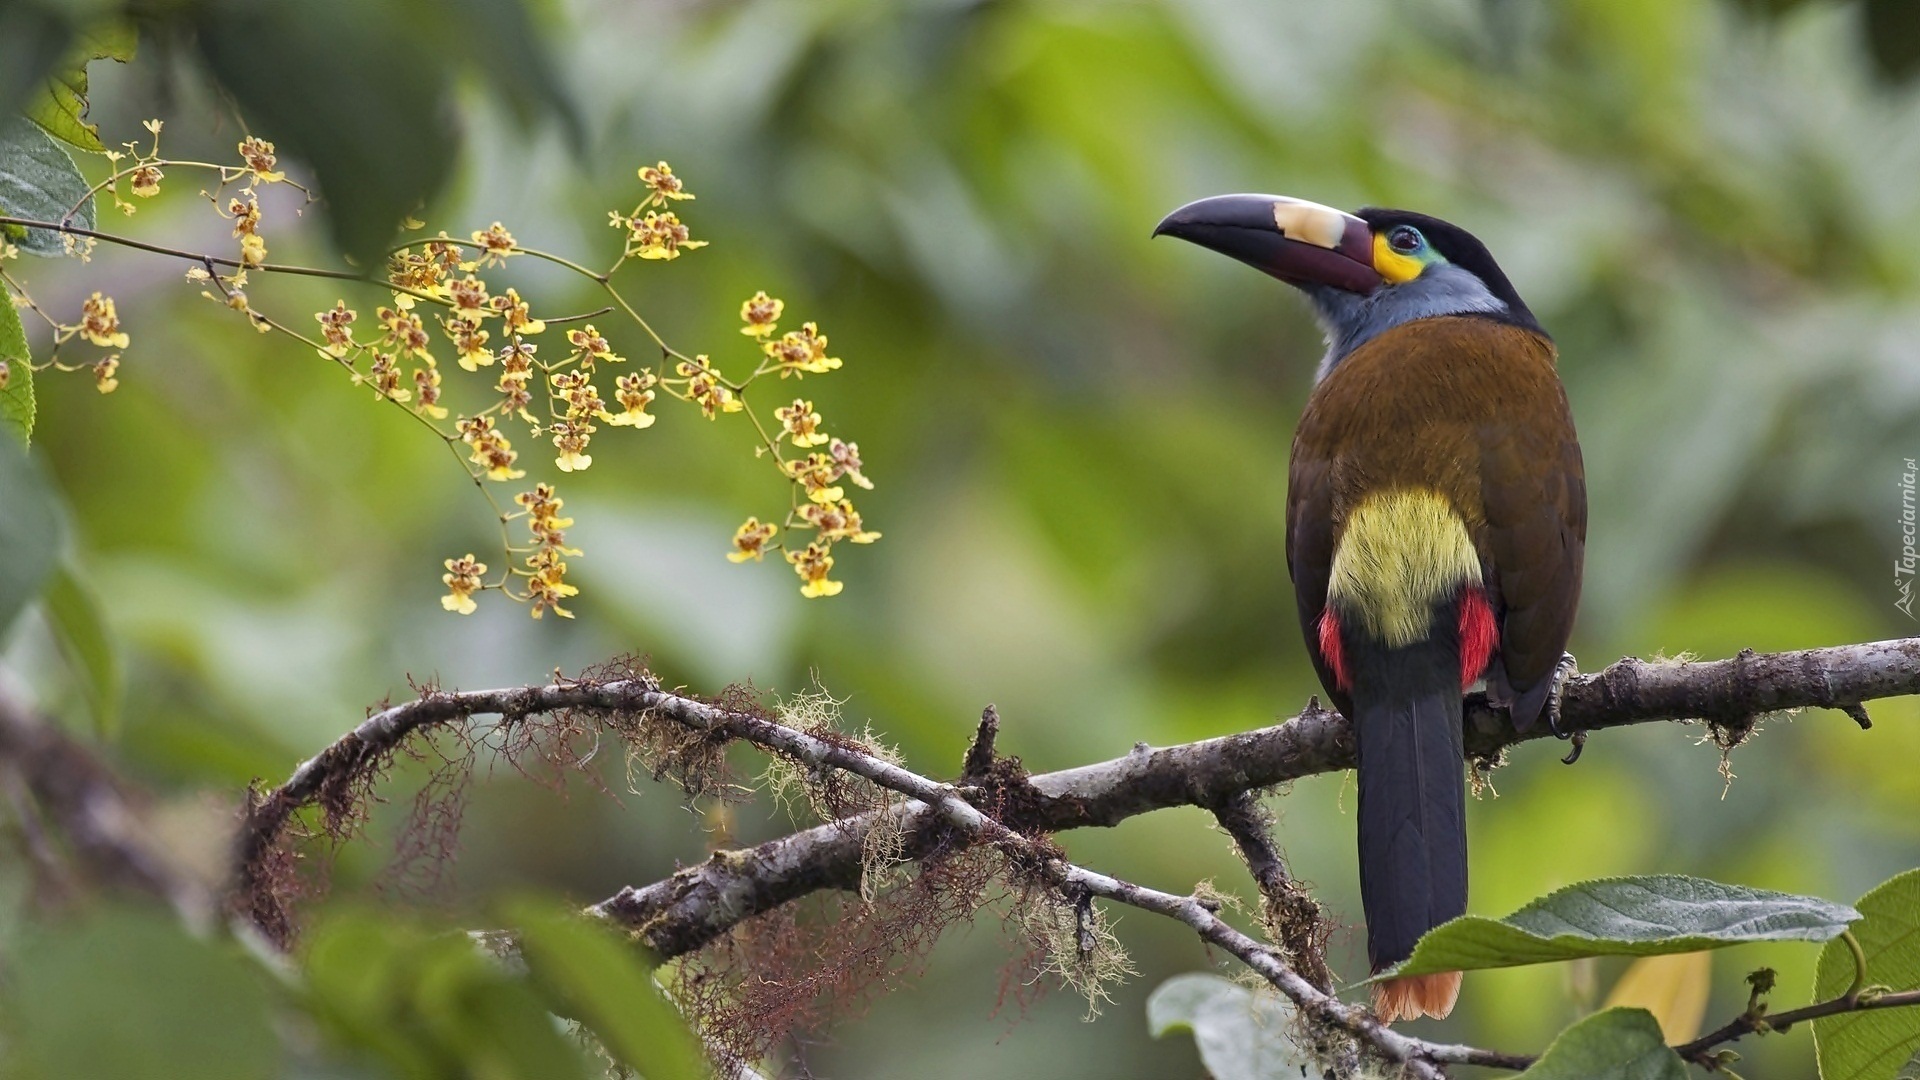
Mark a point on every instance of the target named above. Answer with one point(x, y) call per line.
point(1435, 532)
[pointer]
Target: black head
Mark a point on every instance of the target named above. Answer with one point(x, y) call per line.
point(1458, 247)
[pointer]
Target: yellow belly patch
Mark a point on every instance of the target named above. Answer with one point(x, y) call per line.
point(1403, 552)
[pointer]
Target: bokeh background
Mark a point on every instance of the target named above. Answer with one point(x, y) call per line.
point(1079, 437)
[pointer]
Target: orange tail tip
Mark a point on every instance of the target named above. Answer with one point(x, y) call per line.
point(1420, 995)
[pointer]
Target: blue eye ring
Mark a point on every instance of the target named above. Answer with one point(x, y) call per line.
point(1405, 239)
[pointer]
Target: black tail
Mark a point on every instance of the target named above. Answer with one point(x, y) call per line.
point(1413, 796)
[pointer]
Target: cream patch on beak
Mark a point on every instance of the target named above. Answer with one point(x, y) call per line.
point(1309, 222)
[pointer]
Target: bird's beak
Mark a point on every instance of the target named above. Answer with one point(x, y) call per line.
point(1299, 242)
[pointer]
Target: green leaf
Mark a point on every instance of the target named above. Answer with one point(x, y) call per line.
point(1626, 916)
point(378, 133)
point(60, 109)
point(38, 180)
point(1617, 1044)
point(29, 531)
point(16, 398)
point(491, 1022)
point(81, 628)
point(60, 106)
point(429, 1003)
point(502, 34)
point(115, 39)
point(1859, 1046)
point(160, 1004)
point(33, 38)
point(1241, 1035)
point(356, 970)
point(601, 980)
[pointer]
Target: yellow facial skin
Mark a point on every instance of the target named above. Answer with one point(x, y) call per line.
point(1398, 269)
point(1402, 553)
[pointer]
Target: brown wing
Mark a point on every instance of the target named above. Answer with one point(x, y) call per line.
point(1310, 538)
point(1534, 491)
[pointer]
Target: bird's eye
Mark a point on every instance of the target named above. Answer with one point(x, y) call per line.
point(1405, 239)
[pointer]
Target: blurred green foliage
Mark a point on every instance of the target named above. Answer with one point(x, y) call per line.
point(1079, 437)
point(29, 531)
point(361, 90)
point(131, 994)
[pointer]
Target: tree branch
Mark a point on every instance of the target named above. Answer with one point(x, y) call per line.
point(1750, 1022)
point(699, 903)
point(683, 912)
point(1291, 915)
point(1044, 861)
point(93, 809)
point(690, 908)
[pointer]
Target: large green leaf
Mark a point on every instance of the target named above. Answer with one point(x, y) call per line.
point(378, 133)
point(600, 980)
point(495, 1025)
point(82, 630)
point(1617, 1044)
point(38, 180)
point(16, 398)
point(60, 106)
point(159, 1004)
point(33, 38)
point(29, 531)
point(1863, 1045)
point(503, 35)
point(428, 1003)
point(1627, 916)
point(1241, 1035)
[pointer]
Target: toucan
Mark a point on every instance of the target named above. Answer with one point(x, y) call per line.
point(1436, 525)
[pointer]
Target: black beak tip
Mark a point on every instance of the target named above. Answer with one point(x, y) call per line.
point(1205, 216)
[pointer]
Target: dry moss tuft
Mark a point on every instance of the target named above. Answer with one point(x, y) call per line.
point(785, 974)
point(1073, 941)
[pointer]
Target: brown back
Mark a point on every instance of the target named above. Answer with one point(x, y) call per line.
point(1472, 408)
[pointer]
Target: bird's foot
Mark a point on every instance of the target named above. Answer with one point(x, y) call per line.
point(1561, 673)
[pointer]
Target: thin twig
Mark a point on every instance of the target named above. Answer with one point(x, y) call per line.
point(1748, 1023)
point(1293, 918)
point(217, 260)
point(582, 317)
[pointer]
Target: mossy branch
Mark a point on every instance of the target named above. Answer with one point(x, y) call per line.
point(1007, 811)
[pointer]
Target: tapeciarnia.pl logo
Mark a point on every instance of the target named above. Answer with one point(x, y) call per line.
point(1905, 565)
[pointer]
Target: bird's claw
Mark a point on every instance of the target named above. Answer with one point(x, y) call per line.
point(1563, 671)
point(1579, 743)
